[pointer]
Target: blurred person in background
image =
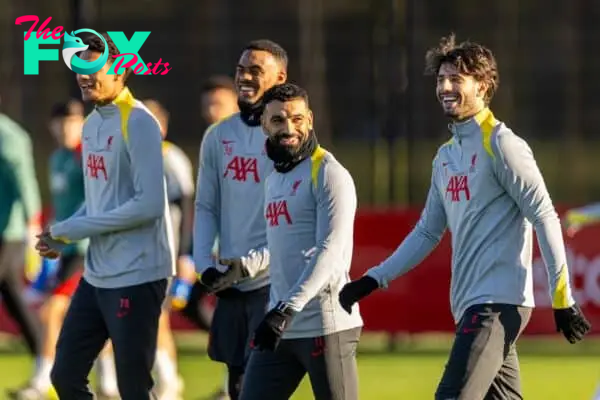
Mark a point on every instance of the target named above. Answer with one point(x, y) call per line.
point(581, 217)
point(180, 192)
point(233, 166)
point(66, 188)
point(20, 218)
point(218, 102)
point(218, 99)
point(486, 187)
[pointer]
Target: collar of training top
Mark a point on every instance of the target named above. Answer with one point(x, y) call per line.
point(470, 126)
point(124, 97)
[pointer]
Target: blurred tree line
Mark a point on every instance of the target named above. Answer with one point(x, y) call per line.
point(362, 64)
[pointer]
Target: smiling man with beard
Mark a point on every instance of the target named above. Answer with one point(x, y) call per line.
point(309, 208)
point(229, 205)
point(487, 189)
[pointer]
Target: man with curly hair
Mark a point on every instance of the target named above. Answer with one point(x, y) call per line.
point(487, 189)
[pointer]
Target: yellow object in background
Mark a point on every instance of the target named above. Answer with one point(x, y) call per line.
point(33, 263)
point(178, 304)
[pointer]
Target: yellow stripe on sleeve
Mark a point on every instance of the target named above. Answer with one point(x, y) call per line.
point(125, 103)
point(316, 161)
point(560, 299)
point(487, 122)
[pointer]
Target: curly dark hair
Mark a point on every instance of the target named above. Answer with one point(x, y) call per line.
point(97, 45)
point(285, 92)
point(469, 58)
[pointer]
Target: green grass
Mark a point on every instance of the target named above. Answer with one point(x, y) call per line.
point(551, 368)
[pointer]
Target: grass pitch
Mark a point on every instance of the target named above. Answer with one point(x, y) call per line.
point(551, 369)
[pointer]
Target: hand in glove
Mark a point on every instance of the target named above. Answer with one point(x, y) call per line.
point(572, 323)
point(268, 334)
point(215, 281)
point(356, 290)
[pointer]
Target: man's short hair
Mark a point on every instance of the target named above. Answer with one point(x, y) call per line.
point(285, 92)
point(270, 47)
point(469, 58)
point(67, 109)
point(217, 82)
point(97, 45)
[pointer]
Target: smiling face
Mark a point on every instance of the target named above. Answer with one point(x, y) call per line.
point(99, 87)
point(257, 72)
point(288, 124)
point(460, 95)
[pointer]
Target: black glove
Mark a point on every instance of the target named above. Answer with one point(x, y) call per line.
point(209, 277)
point(572, 323)
point(268, 334)
point(215, 281)
point(356, 290)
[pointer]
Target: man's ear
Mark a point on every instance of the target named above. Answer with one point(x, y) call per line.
point(281, 76)
point(124, 75)
point(263, 119)
point(310, 119)
point(482, 89)
point(264, 124)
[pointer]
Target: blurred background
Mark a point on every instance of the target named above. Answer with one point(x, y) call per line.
point(362, 63)
point(356, 58)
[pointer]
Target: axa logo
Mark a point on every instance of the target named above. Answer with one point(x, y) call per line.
point(275, 210)
point(458, 184)
point(128, 48)
point(242, 169)
point(95, 167)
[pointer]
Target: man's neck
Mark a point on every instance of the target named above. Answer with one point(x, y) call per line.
point(250, 113)
point(109, 99)
point(466, 117)
point(469, 115)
